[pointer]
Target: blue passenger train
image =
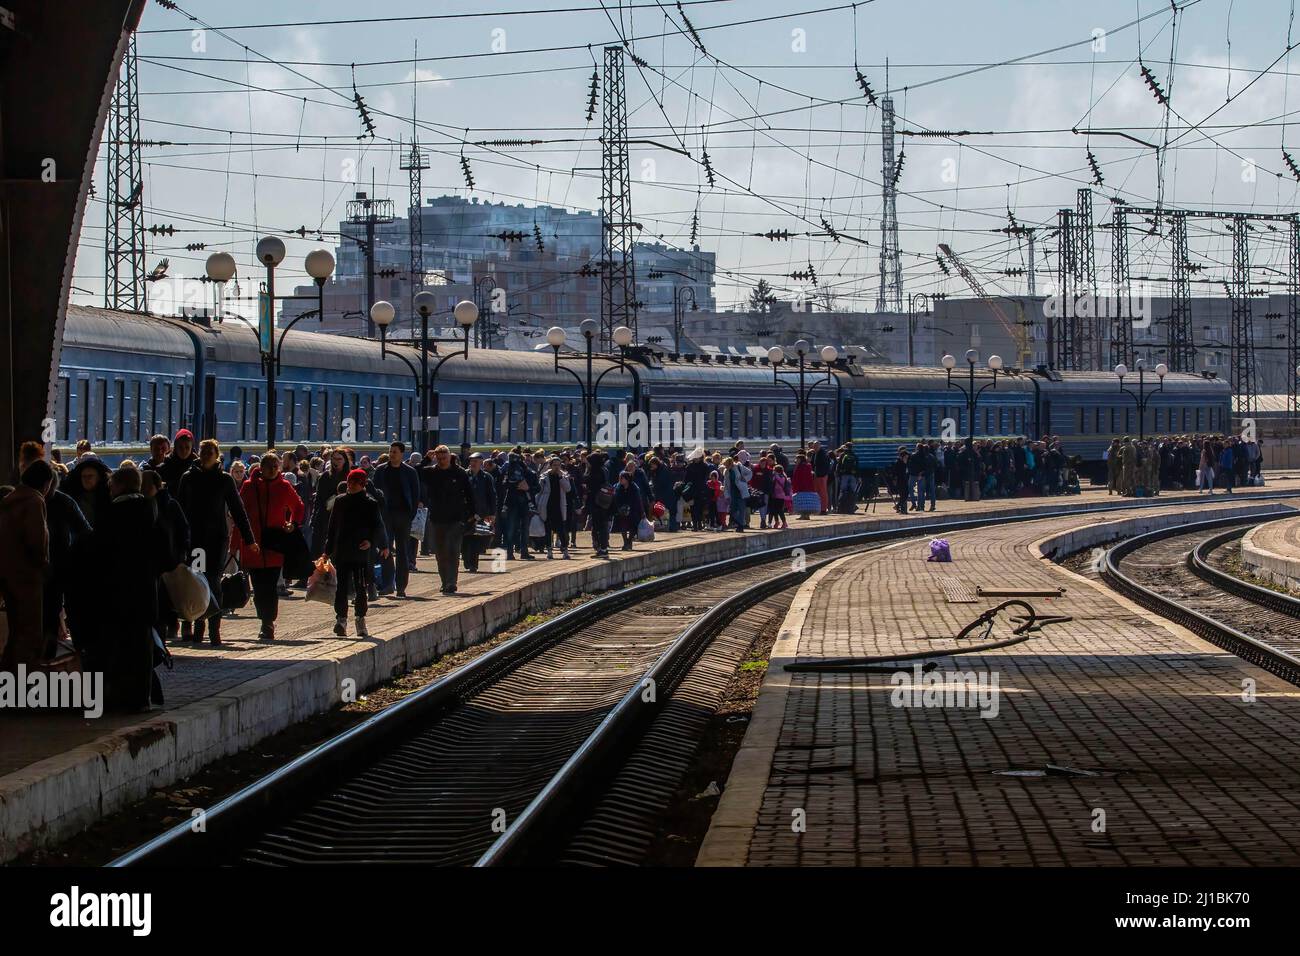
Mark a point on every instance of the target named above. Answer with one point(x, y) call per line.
point(124, 377)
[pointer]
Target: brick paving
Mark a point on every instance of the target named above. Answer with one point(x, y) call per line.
point(1186, 772)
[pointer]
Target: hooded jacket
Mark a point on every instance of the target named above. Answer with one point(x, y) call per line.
point(272, 502)
point(92, 504)
point(354, 518)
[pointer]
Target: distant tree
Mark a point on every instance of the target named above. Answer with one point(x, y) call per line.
point(761, 298)
point(827, 298)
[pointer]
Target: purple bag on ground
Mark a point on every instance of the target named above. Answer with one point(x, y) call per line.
point(939, 550)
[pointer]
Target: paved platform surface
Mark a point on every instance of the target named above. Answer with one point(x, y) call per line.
point(58, 772)
point(1187, 773)
point(1273, 551)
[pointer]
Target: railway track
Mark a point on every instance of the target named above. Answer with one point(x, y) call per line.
point(1177, 572)
point(564, 745)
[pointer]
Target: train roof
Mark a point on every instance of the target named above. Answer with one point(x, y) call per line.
point(89, 327)
point(234, 341)
point(1178, 382)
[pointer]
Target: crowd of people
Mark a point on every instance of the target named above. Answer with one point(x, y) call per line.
point(1176, 462)
point(994, 468)
point(84, 547)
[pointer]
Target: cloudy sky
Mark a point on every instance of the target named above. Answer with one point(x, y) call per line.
point(257, 109)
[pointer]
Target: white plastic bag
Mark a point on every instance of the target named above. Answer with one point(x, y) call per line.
point(645, 531)
point(536, 527)
point(417, 523)
point(188, 592)
point(323, 584)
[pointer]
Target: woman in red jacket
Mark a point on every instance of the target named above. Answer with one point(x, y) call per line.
point(805, 490)
point(270, 502)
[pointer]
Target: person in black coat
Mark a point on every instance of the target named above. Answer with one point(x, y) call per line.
point(176, 535)
point(629, 509)
point(696, 489)
point(356, 529)
point(127, 556)
point(181, 459)
point(597, 479)
point(68, 528)
point(451, 505)
point(327, 486)
point(209, 498)
point(484, 488)
point(87, 484)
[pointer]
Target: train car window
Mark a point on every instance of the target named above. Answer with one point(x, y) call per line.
point(538, 425)
point(462, 420)
point(503, 430)
point(1082, 427)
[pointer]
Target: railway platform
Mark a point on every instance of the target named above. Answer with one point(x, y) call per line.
point(1111, 738)
point(1272, 552)
point(59, 772)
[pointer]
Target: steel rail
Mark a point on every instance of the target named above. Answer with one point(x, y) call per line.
point(1248, 648)
point(259, 805)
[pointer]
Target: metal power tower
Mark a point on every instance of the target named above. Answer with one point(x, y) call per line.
point(618, 305)
point(1181, 348)
point(124, 286)
point(891, 263)
point(1293, 317)
point(1121, 329)
point(414, 163)
point(1088, 326)
point(364, 211)
point(1243, 341)
point(1062, 329)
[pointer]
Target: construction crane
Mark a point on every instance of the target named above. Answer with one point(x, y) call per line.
point(1019, 331)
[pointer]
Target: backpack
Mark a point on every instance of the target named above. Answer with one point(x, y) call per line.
point(605, 497)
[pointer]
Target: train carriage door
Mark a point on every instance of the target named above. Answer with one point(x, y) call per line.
point(208, 426)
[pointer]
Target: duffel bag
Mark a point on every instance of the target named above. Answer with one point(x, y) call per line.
point(235, 591)
point(188, 592)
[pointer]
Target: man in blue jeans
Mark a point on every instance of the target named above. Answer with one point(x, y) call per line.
point(520, 485)
point(400, 484)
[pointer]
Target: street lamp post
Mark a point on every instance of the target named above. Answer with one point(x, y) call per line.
point(382, 314)
point(590, 328)
point(319, 263)
point(803, 392)
point(1141, 396)
point(969, 390)
point(465, 314)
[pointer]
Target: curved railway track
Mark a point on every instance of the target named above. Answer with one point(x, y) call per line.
point(565, 744)
point(1177, 573)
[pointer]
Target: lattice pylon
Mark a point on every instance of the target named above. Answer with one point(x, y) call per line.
point(618, 276)
point(124, 285)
